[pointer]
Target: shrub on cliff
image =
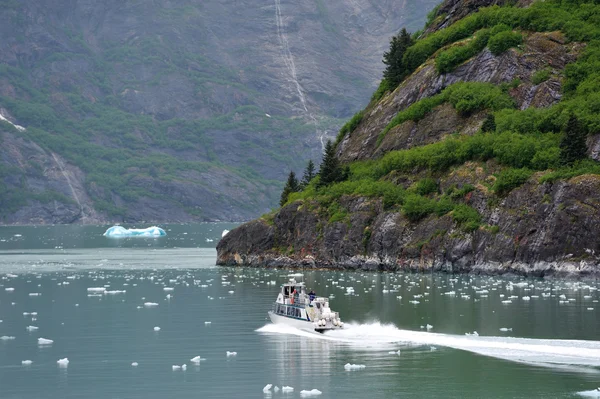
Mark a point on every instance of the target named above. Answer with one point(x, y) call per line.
point(572, 145)
point(502, 41)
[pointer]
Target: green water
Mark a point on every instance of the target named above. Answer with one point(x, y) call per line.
point(551, 351)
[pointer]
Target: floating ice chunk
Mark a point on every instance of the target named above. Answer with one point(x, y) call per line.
point(63, 362)
point(429, 327)
point(31, 328)
point(394, 352)
point(312, 392)
point(526, 298)
point(196, 360)
point(156, 328)
point(44, 341)
point(349, 366)
point(267, 388)
point(506, 302)
point(224, 233)
point(207, 323)
point(120, 232)
point(276, 389)
point(176, 367)
point(287, 389)
point(9, 289)
point(415, 302)
point(34, 294)
point(229, 354)
point(134, 364)
point(209, 240)
point(231, 292)
point(184, 367)
point(150, 304)
point(505, 329)
point(168, 289)
point(96, 289)
point(6, 338)
point(114, 292)
point(26, 362)
point(169, 296)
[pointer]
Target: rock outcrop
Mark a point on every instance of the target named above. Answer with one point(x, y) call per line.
point(541, 228)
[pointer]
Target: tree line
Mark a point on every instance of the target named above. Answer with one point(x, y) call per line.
point(330, 171)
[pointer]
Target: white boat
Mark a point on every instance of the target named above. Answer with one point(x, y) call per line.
point(297, 308)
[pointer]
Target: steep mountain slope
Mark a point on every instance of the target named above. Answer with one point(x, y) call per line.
point(176, 110)
point(475, 162)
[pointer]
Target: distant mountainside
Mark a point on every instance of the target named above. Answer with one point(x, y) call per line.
point(483, 156)
point(177, 110)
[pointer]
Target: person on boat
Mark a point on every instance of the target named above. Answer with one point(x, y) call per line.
point(293, 296)
point(312, 295)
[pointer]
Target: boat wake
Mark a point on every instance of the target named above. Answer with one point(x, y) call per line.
point(543, 352)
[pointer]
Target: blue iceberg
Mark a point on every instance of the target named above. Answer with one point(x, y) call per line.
point(122, 232)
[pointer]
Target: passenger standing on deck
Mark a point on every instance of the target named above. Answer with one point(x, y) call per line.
point(312, 295)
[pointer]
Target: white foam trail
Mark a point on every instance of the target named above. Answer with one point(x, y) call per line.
point(528, 350)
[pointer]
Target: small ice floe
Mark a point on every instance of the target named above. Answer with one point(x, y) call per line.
point(231, 292)
point(120, 232)
point(432, 348)
point(414, 302)
point(429, 327)
point(34, 294)
point(229, 354)
point(206, 323)
point(26, 362)
point(96, 289)
point(506, 302)
point(276, 389)
point(134, 364)
point(44, 341)
point(176, 367)
point(63, 362)
point(115, 292)
point(505, 329)
point(150, 304)
point(184, 367)
point(6, 338)
point(287, 389)
point(349, 366)
point(196, 360)
point(394, 352)
point(169, 296)
point(267, 115)
point(9, 289)
point(209, 240)
point(474, 334)
point(157, 328)
point(224, 233)
point(31, 328)
point(526, 298)
point(312, 392)
point(168, 289)
point(267, 388)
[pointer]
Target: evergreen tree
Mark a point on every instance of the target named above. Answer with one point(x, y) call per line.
point(309, 174)
point(395, 70)
point(573, 144)
point(330, 170)
point(489, 125)
point(291, 186)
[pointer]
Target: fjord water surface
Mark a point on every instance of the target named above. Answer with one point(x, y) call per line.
point(548, 346)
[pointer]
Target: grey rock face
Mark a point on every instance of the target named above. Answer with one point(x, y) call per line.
point(544, 230)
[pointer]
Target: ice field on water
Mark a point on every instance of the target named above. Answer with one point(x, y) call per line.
point(87, 316)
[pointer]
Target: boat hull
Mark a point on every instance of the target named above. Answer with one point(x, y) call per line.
point(296, 323)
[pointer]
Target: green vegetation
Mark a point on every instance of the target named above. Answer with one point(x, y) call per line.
point(330, 170)
point(504, 40)
point(448, 60)
point(396, 70)
point(349, 126)
point(291, 186)
point(309, 174)
point(540, 76)
point(511, 178)
point(572, 145)
point(465, 97)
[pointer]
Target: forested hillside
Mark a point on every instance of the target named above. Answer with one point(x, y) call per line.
point(478, 152)
point(176, 110)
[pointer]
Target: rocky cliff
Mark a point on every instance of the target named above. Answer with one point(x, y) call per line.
point(176, 110)
point(430, 189)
